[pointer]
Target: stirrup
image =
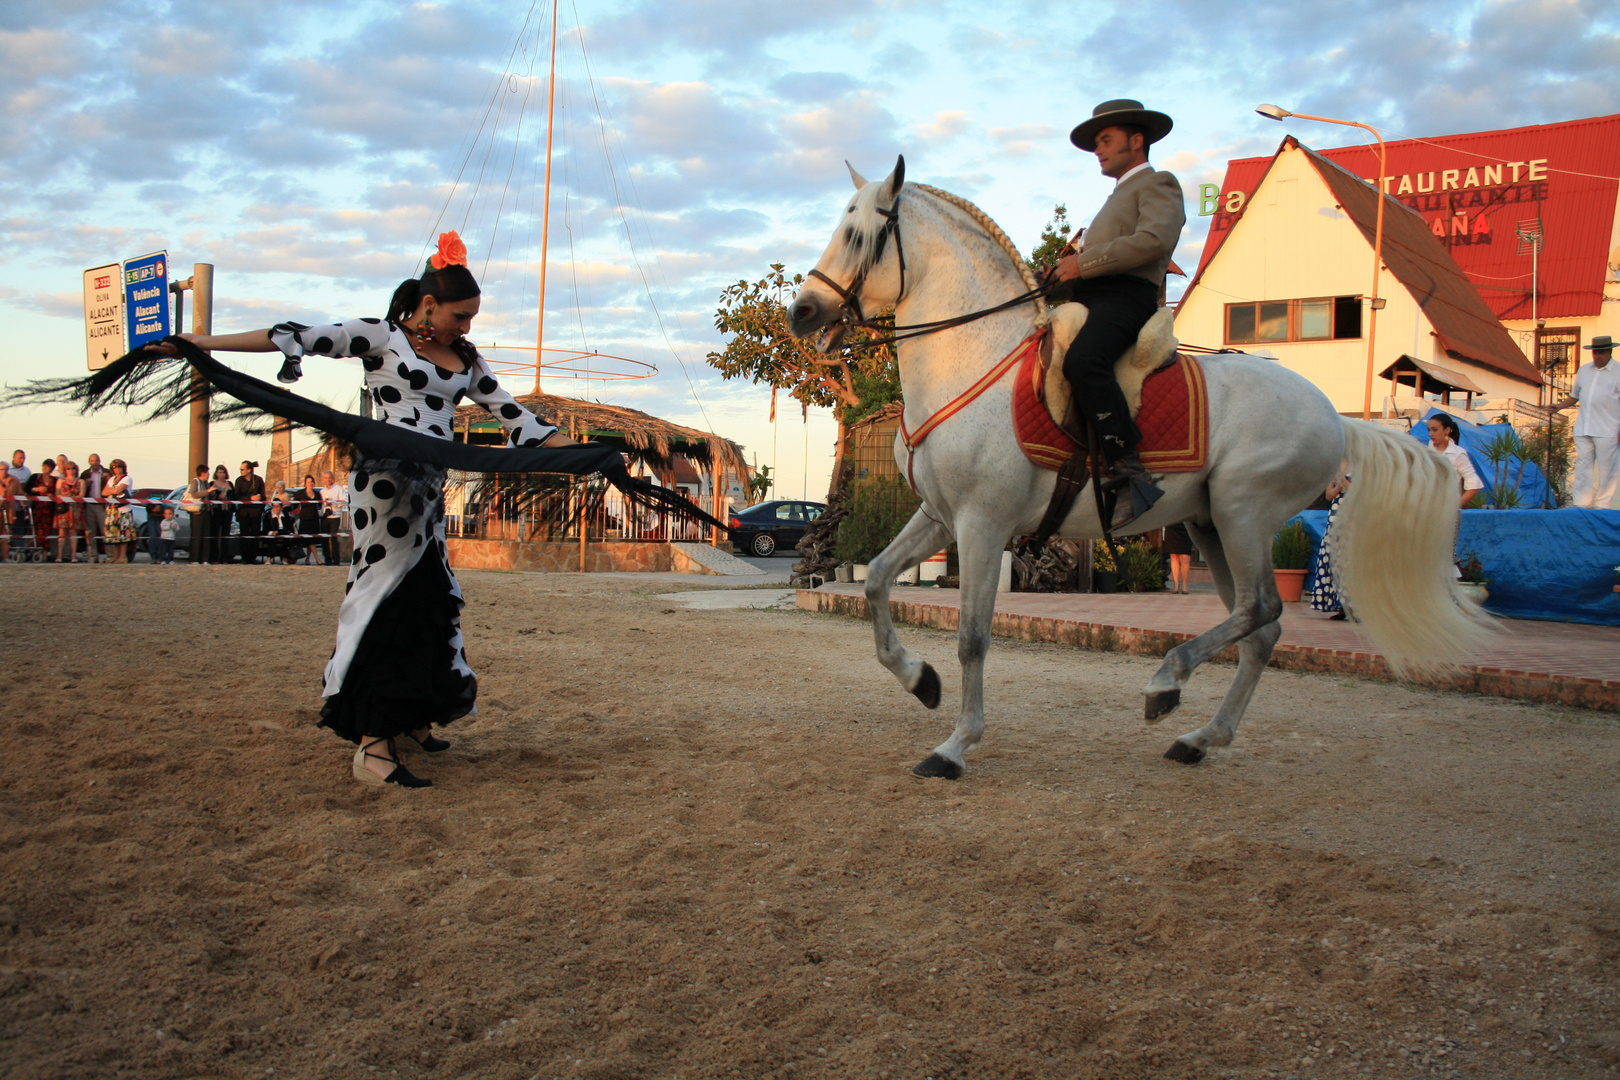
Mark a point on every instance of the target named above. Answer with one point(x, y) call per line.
point(1132, 497)
point(400, 774)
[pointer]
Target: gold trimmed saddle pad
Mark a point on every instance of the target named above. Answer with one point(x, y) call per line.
point(1171, 411)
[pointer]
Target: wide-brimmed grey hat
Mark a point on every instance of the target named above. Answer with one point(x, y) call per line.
point(1601, 343)
point(1117, 112)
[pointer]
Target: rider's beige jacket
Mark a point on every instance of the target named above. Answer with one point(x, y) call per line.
point(1137, 228)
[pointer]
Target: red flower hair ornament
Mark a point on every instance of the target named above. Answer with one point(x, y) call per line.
point(452, 252)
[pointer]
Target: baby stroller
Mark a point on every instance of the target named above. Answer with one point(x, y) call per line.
point(25, 546)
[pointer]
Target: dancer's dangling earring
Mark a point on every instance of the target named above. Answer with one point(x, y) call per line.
point(424, 329)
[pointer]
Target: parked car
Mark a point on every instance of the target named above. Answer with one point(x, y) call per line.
point(761, 529)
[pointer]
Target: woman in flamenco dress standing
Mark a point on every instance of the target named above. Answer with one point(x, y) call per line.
point(399, 666)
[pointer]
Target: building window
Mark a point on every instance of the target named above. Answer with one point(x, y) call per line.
point(1559, 356)
point(1323, 318)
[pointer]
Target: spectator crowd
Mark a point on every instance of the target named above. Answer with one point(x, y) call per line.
point(61, 512)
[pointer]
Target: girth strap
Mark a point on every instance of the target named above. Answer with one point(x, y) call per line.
point(1071, 480)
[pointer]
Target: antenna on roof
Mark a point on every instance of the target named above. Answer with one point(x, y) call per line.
point(1530, 235)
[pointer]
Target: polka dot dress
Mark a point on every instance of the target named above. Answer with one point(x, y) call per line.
point(397, 511)
point(1325, 586)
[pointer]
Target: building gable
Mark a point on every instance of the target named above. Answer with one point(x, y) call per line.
point(1474, 191)
point(1466, 327)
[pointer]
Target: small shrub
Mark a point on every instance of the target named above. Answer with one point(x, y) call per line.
point(1291, 548)
point(1473, 571)
point(1145, 566)
point(1101, 561)
point(878, 508)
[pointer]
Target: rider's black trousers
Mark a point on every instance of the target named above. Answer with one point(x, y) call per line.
point(1118, 306)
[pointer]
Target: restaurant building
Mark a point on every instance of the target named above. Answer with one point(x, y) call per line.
point(1500, 259)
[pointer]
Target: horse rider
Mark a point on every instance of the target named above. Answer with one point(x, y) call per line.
point(1117, 271)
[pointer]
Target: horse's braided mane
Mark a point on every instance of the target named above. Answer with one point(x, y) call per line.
point(988, 224)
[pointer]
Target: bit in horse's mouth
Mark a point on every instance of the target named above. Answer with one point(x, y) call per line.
point(828, 339)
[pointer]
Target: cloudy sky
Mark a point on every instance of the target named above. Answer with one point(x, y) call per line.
point(310, 150)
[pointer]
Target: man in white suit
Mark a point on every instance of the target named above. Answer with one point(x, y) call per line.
point(1597, 426)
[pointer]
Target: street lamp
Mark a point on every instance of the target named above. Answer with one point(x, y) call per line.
point(1274, 112)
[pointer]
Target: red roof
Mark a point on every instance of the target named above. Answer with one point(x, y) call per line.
point(1566, 176)
point(1417, 259)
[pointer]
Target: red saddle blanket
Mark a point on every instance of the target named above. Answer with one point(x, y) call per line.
point(1174, 418)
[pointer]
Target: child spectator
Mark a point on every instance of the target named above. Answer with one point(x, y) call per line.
point(168, 533)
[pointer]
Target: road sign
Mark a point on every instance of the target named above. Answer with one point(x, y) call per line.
point(103, 315)
point(146, 298)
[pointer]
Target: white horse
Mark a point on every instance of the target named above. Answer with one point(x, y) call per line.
point(1275, 442)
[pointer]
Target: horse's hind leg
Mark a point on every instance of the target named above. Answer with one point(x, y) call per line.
point(1254, 653)
point(1249, 591)
point(921, 538)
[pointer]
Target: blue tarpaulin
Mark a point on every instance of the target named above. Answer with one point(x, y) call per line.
point(1532, 484)
point(1555, 565)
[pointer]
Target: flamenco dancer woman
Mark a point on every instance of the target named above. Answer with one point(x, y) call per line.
point(399, 666)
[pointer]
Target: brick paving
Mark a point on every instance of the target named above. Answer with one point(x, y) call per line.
point(1553, 663)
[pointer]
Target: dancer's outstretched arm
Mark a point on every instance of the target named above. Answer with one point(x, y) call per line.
point(248, 341)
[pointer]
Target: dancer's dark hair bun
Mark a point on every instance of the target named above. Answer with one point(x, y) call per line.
point(446, 286)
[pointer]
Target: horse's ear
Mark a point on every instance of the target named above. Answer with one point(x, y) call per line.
point(896, 180)
point(860, 181)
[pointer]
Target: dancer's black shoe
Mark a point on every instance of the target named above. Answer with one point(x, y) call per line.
point(400, 774)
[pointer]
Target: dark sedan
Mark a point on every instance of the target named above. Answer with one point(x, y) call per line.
point(780, 523)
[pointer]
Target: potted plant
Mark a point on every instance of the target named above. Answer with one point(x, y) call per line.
point(1290, 560)
point(1144, 566)
point(1104, 574)
point(1472, 582)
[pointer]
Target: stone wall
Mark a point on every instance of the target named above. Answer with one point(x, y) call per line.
point(562, 556)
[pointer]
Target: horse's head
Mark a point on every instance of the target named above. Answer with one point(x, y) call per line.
point(853, 276)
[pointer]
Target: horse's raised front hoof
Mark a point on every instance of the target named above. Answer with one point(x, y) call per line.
point(938, 765)
point(927, 688)
point(1187, 755)
point(1160, 704)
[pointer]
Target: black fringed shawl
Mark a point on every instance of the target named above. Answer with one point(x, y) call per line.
point(141, 379)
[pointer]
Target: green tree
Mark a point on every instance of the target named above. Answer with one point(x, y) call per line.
point(1053, 239)
point(759, 348)
point(759, 484)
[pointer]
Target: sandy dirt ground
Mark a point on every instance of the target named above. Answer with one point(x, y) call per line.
point(684, 843)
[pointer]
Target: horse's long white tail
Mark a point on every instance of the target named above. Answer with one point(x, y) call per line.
point(1393, 552)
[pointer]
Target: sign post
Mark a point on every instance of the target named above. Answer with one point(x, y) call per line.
point(146, 298)
point(201, 285)
point(103, 316)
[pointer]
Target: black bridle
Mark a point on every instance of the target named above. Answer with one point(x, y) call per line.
point(851, 315)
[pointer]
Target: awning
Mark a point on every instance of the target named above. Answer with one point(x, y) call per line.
point(1433, 378)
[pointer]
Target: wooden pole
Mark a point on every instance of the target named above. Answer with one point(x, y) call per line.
point(584, 490)
point(716, 480)
point(545, 219)
point(202, 322)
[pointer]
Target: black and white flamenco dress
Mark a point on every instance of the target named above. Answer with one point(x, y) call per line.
point(400, 664)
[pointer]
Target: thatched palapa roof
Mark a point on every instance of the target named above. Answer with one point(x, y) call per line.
point(639, 434)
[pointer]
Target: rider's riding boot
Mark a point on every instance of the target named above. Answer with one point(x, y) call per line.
point(1133, 486)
